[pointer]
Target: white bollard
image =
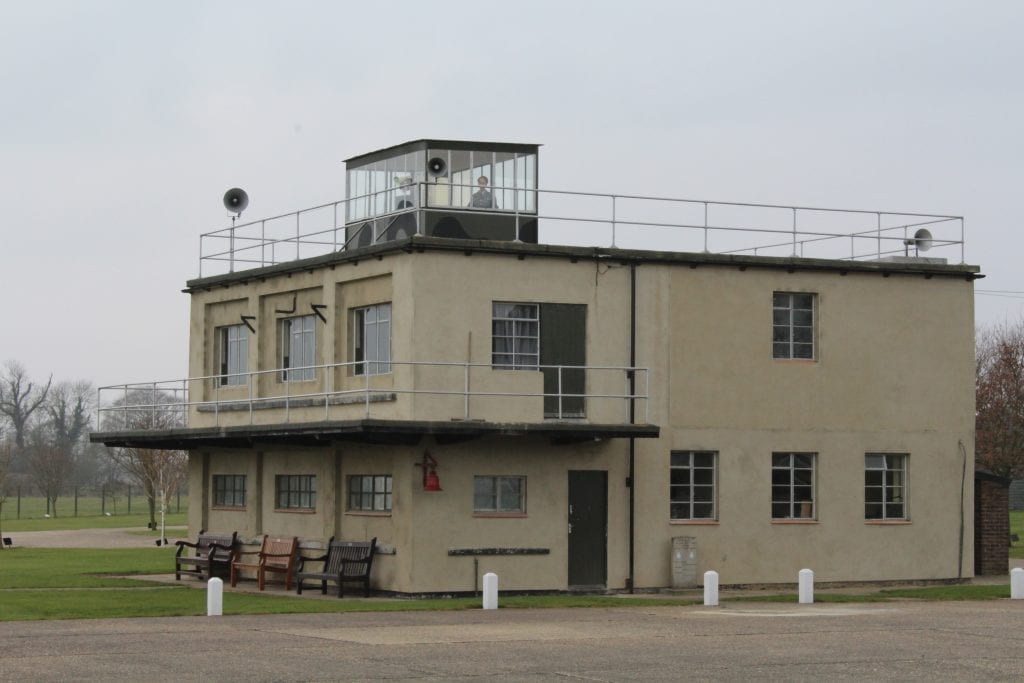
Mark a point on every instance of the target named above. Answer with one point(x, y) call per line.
point(490, 590)
point(711, 589)
point(214, 597)
point(806, 586)
point(1017, 584)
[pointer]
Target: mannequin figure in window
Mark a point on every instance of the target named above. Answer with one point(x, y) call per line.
point(482, 198)
point(403, 195)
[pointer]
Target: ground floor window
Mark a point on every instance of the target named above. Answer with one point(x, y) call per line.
point(793, 485)
point(229, 490)
point(692, 485)
point(499, 494)
point(369, 492)
point(296, 491)
point(885, 486)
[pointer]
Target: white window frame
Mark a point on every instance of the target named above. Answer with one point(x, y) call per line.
point(893, 486)
point(369, 493)
point(787, 468)
point(233, 355)
point(371, 340)
point(499, 495)
point(523, 347)
point(298, 333)
point(683, 503)
point(794, 337)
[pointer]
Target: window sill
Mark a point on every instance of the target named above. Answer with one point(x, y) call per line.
point(694, 522)
point(796, 361)
point(228, 508)
point(794, 521)
point(295, 511)
point(887, 522)
point(499, 515)
point(368, 513)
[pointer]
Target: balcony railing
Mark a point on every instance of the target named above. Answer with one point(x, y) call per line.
point(603, 220)
point(458, 391)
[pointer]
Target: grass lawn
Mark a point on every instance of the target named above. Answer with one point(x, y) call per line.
point(13, 526)
point(1017, 527)
point(74, 583)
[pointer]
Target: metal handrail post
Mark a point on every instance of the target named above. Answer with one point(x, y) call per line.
point(878, 227)
point(298, 234)
point(705, 227)
point(465, 391)
point(794, 232)
point(334, 229)
point(366, 388)
point(99, 407)
point(263, 243)
point(613, 220)
point(560, 392)
point(231, 250)
point(186, 405)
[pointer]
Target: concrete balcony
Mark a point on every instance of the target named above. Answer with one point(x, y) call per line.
point(393, 401)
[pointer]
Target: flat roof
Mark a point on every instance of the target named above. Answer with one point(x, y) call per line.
point(422, 244)
point(414, 145)
point(407, 432)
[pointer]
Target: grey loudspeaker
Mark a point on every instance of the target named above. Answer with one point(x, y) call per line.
point(235, 200)
point(921, 241)
point(437, 167)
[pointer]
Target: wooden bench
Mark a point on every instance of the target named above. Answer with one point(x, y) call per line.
point(212, 555)
point(344, 562)
point(276, 554)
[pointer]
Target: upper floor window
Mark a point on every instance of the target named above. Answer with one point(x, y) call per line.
point(499, 494)
point(233, 354)
point(371, 340)
point(885, 486)
point(793, 325)
point(793, 485)
point(692, 485)
point(229, 490)
point(298, 348)
point(515, 336)
point(295, 491)
point(369, 492)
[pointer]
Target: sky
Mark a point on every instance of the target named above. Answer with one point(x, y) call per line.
point(123, 123)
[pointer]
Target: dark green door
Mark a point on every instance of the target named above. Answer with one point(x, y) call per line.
point(588, 528)
point(563, 331)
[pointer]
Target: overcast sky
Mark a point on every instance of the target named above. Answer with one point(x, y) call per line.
point(123, 123)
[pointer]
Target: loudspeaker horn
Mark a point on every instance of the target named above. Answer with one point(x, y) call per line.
point(437, 167)
point(921, 241)
point(235, 200)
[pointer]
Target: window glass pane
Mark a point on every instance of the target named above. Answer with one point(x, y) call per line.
point(484, 497)
point(803, 460)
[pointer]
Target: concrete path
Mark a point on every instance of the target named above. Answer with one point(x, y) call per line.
point(134, 537)
point(892, 641)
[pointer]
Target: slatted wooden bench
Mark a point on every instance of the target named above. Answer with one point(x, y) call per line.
point(344, 562)
point(211, 555)
point(276, 554)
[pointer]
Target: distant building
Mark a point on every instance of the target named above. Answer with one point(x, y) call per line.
point(436, 371)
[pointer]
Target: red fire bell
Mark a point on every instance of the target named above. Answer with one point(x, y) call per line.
point(431, 482)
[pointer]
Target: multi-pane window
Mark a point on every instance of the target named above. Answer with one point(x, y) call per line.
point(371, 342)
point(229, 490)
point(369, 492)
point(692, 485)
point(885, 486)
point(296, 491)
point(233, 354)
point(793, 485)
point(515, 336)
point(793, 325)
point(499, 494)
point(298, 348)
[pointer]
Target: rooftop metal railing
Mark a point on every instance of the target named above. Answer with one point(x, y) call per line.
point(168, 404)
point(598, 219)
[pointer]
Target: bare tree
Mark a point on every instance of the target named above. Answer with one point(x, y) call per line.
point(54, 444)
point(160, 472)
point(999, 392)
point(19, 398)
point(6, 458)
